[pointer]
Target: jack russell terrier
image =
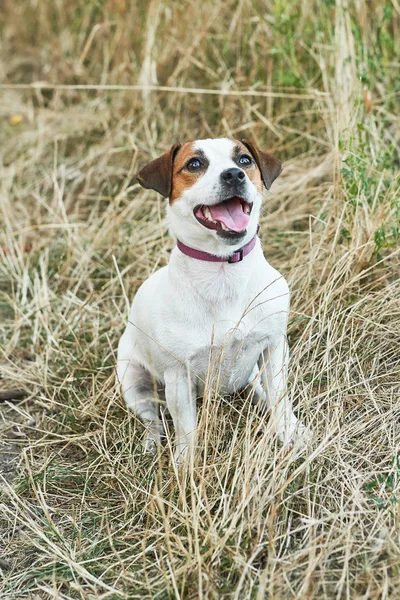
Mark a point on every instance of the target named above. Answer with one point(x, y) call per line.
point(216, 315)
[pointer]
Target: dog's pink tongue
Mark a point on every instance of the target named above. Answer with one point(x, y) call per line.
point(231, 214)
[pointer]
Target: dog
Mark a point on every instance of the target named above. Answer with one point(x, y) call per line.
point(216, 315)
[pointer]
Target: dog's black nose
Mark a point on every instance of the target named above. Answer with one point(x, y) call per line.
point(233, 176)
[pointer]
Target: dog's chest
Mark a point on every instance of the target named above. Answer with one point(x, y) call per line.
point(229, 366)
point(214, 324)
point(223, 349)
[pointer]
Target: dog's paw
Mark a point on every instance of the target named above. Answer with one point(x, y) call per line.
point(152, 438)
point(181, 454)
point(292, 432)
point(150, 444)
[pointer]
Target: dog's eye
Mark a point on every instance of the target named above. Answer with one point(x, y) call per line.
point(193, 164)
point(244, 160)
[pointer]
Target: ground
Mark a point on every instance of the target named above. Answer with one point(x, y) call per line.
point(84, 514)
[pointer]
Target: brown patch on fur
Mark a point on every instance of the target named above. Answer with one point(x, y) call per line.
point(252, 171)
point(269, 166)
point(182, 179)
point(157, 174)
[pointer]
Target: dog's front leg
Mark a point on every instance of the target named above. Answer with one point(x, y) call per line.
point(273, 365)
point(180, 395)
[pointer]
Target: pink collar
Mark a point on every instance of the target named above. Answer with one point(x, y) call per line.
point(236, 257)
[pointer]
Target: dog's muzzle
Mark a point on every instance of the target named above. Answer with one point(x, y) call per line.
point(231, 216)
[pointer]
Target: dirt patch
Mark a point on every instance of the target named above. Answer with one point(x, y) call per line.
point(9, 453)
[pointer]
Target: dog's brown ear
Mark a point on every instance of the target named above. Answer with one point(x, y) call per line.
point(270, 167)
point(157, 174)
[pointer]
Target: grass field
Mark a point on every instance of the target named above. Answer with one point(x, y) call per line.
point(83, 513)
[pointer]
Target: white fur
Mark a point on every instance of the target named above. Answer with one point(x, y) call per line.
point(194, 323)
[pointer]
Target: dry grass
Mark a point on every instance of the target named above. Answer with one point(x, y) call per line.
point(85, 514)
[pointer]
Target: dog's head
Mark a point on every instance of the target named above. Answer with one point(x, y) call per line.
point(214, 189)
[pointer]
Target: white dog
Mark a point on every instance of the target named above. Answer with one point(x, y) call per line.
point(217, 314)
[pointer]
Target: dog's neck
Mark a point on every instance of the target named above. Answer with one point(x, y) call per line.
point(235, 257)
point(214, 282)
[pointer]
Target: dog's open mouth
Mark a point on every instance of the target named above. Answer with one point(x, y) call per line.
point(231, 216)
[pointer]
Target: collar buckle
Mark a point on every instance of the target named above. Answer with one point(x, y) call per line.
point(234, 258)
